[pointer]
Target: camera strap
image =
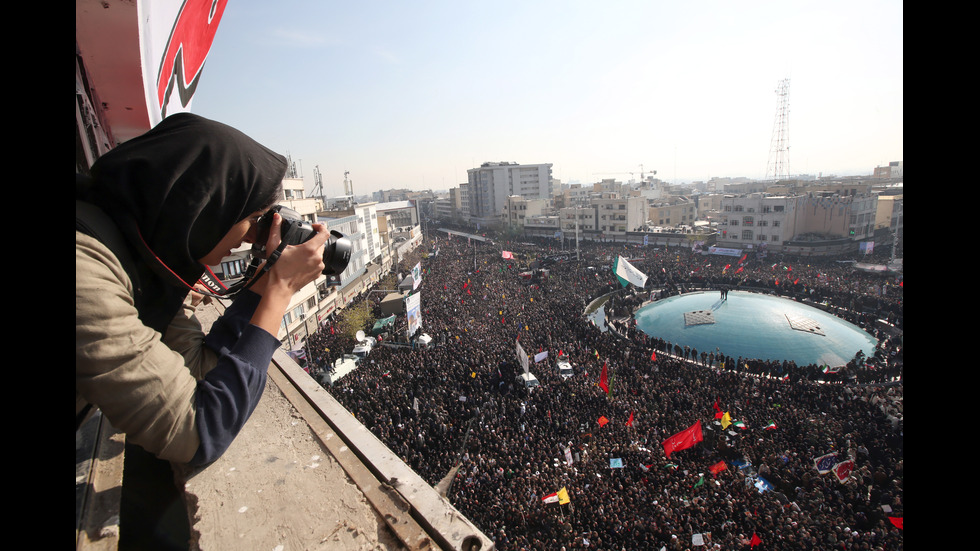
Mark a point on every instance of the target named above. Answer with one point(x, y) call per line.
point(219, 290)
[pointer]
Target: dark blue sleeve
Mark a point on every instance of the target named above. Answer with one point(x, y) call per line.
point(228, 394)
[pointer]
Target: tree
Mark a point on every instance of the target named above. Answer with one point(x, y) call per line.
point(352, 320)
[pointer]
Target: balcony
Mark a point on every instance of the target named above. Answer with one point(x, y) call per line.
point(302, 474)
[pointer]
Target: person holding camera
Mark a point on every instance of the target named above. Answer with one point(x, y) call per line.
point(155, 212)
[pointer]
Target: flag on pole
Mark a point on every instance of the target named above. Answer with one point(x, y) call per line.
point(684, 439)
point(627, 273)
point(771, 425)
point(604, 379)
point(718, 467)
point(653, 356)
point(897, 521)
point(630, 422)
point(726, 420)
point(755, 540)
point(563, 496)
point(507, 254)
point(550, 498)
point(602, 421)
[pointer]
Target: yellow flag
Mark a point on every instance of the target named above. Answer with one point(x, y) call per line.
point(563, 496)
point(726, 420)
point(473, 375)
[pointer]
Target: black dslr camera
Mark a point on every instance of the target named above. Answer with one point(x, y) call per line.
point(336, 251)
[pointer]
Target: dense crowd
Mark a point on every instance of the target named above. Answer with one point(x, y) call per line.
point(458, 403)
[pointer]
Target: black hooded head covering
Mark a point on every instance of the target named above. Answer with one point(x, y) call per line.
point(175, 192)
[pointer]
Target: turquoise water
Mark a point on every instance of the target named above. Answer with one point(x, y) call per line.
point(754, 326)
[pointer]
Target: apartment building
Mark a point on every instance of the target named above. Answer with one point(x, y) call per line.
point(492, 183)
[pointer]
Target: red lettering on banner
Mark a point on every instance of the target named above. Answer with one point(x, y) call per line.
point(188, 47)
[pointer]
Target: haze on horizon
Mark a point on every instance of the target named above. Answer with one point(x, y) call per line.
point(411, 95)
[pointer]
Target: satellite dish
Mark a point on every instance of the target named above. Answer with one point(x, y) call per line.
point(359, 336)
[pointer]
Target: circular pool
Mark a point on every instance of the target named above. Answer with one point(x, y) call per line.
point(752, 325)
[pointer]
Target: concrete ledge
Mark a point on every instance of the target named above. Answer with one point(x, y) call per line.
point(449, 528)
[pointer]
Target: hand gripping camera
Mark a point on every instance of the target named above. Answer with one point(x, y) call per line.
point(336, 251)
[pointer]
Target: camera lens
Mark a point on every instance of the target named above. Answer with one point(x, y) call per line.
point(336, 253)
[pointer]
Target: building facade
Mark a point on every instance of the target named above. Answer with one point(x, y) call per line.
point(490, 185)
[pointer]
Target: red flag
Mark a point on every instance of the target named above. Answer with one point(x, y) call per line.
point(684, 439)
point(653, 356)
point(603, 421)
point(604, 379)
point(897, 521)
point(718, 467)
point(718, 412)
point(630, 422)
point(331, 330)
point(755, 540)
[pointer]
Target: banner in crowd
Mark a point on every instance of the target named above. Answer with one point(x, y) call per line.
point(843, 470)
point(825, 463)
point(684, 439)
point(522, 357)
point(416, 275)
point(540, 356)
point(414, 312)
point(507, 255)
point(627, 273)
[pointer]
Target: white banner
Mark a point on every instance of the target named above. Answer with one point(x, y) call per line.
point(540, 356)
point(175, 41)
point(626, 271)
point(522, 357)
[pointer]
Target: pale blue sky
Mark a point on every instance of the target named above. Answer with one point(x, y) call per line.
point(412, 94)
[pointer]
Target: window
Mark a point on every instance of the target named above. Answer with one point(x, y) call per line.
point(778, 208)
point(747, 234)
point(748, 220)
point(775, 223)
point(733, 222)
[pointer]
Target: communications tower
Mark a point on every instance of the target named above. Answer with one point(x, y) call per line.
point(778, 166)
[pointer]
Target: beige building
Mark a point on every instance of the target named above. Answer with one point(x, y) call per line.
point(675, 211)
point(618, 215)
point(517, 209)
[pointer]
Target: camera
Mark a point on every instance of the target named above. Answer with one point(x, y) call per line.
point(336, 251)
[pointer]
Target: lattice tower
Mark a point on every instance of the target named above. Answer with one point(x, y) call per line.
point(778, 166)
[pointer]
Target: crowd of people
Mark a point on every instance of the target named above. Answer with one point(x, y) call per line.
point(459, 404)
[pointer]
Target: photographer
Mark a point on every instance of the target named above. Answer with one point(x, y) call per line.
point(179, 198)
